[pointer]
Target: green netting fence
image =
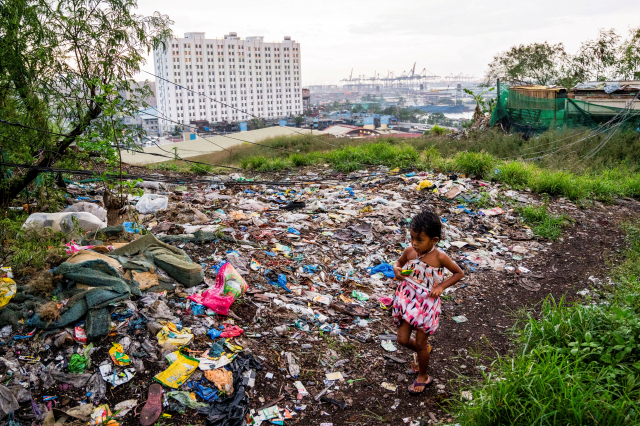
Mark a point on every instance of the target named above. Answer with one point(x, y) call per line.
point(531, 114)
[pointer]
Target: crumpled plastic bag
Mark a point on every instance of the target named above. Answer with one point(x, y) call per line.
point(83, 206)
point(64, 222)
point(178, 372)
point(151, 203)
point(77, 363)
point(204, 392)
point(229, 285)
point(8, 402)
point(425, 184)
point(7, 290)
point(223, 379)
point(385, 268)
point(118, 356)
point(232, 410)
point(169, 333)
point(186, 399)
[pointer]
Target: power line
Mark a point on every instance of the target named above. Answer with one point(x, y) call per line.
point(217, 101)
point(174, 179)
point(10, 123)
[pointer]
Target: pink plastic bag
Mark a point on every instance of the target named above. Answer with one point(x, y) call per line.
point(219, 298)
point(212, 300)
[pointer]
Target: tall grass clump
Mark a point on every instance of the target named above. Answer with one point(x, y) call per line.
point(559, 183)
point(301, 160)
point(265, 164)
point(200, 169)
point(574, 365)
point(516, 174)
point(437, 131)
point(384, 153)
point(476, 164)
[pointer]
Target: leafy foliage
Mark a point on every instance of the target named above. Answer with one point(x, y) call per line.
point(607, 57)
point(62, 67)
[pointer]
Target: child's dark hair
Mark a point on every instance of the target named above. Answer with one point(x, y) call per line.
point(428, 222)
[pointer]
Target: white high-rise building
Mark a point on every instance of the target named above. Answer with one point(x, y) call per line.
point(247, 77)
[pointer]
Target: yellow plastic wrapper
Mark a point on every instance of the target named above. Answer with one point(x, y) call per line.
point(7, 290)
point(178, 372)
point(117, 354)
point(424, 185)
point(169, 333)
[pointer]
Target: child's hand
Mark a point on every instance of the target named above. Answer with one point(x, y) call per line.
point(398, 271)
point(436, 292)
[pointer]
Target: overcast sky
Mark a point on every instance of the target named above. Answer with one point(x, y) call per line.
point(443, 36)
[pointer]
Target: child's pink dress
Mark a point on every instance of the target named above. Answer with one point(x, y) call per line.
point(412, 302)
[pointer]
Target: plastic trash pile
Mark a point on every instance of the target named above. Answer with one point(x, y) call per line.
point(236, 301)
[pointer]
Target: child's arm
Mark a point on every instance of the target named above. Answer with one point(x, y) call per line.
point(397, 266)
point(452, 266)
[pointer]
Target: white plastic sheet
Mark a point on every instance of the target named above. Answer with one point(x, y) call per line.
point(151, 203)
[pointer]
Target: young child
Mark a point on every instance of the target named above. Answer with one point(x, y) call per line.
point(417, 301)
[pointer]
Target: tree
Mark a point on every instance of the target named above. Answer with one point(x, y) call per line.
point(62, 68)
point(255, 123)
point(177, 131)
point(536, 63)
point(630, 56)
point(608, 57)
point(598, 59)
point(299, 120)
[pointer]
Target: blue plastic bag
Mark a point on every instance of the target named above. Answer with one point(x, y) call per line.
point(198, 309)
point(282, 280)
point(310, 269)
point(132, 227)
point(204, 392)
point(214, 333)
point(385, 268)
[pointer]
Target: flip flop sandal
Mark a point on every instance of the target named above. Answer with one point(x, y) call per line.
point(153, 408)
point(418, 384)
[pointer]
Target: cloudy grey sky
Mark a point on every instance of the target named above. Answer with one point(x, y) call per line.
point(443, 36)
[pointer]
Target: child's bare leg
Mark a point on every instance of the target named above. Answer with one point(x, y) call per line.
point(423, 350)
point(404, 336)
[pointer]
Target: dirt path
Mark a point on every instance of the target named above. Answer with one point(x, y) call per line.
point(489, 301)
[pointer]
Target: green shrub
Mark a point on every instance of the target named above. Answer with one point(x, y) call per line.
point(253, 163)
point(437, 131)
point(558, 183)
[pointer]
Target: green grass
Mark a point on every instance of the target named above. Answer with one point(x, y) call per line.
point(543, 223)
point(27, 247)
point(474, 164)
point(383, 153)
point(265, 164)
point(200, 169)
point(610, 173)
point(573, 364)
